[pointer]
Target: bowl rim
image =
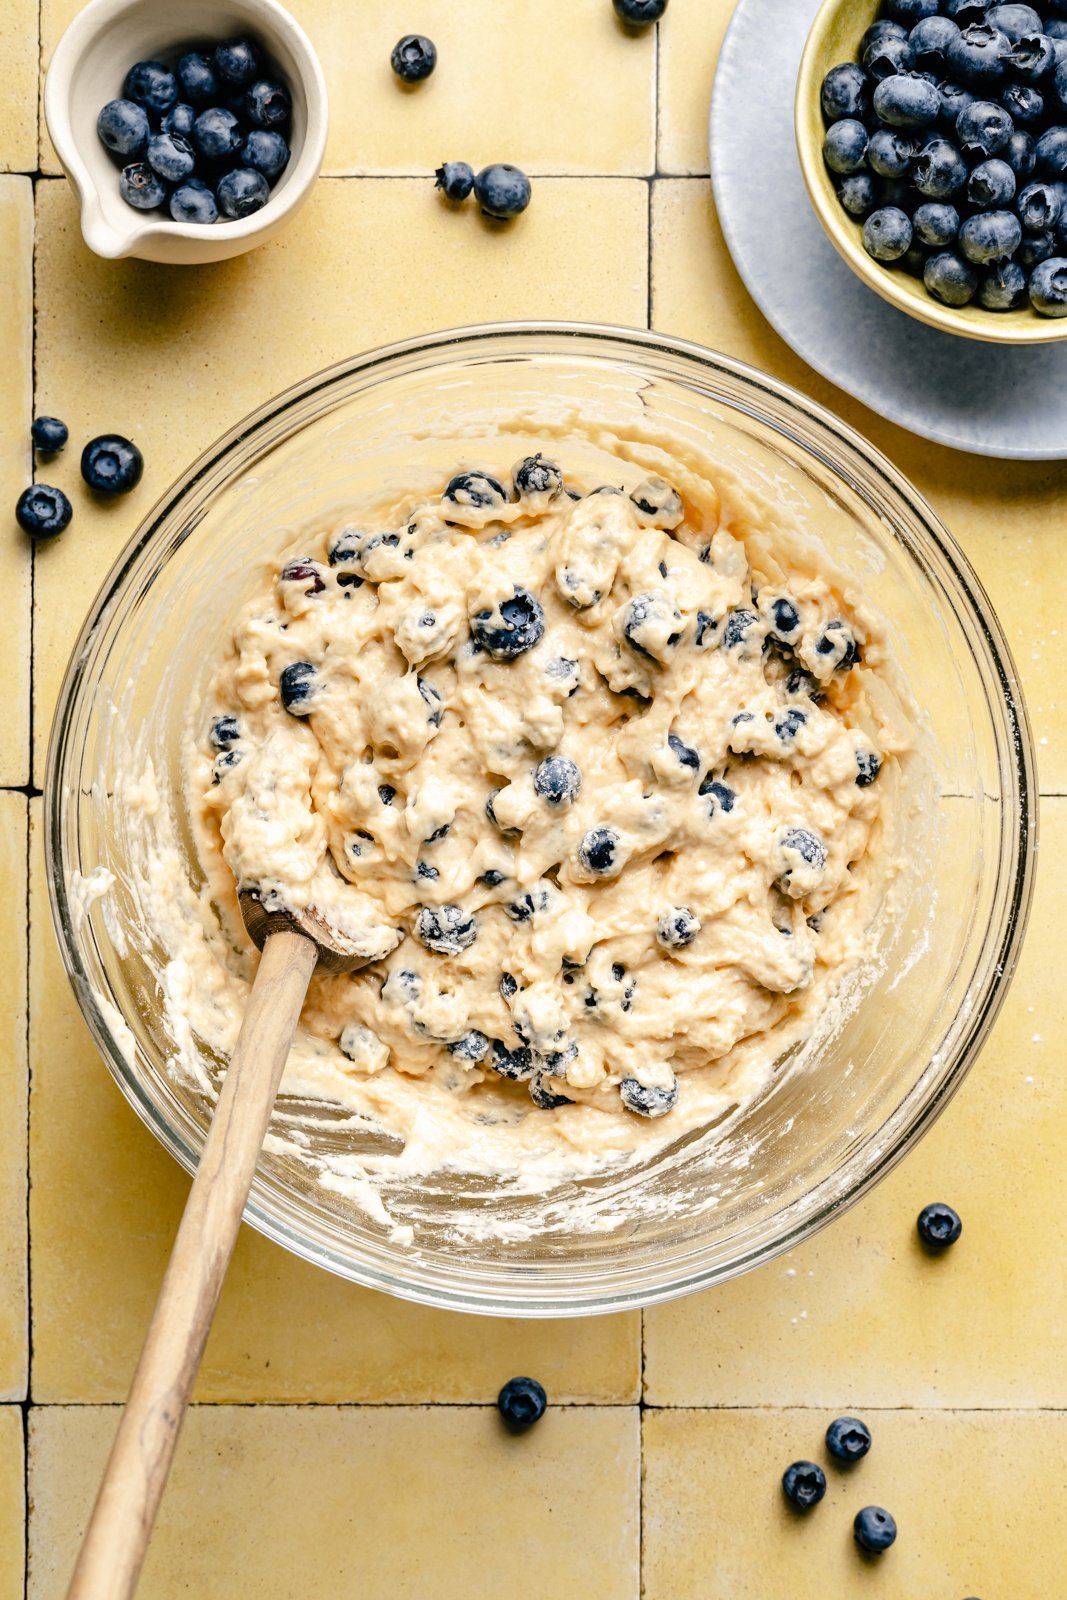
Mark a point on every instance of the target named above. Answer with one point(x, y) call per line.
point(903, 1127)
point(265, 16)
point(970, 322)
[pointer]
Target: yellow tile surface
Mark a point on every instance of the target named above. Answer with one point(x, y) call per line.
point(174, 356)
point(860, 1315)
point(1008, 516)
point(690, 38)
point(104, 1215)
point(14, 1329)
point(279, 1503)
point(974, 1496)
point(16, 411)
point(12, 1505)
point(18, 73)
point(554, 87)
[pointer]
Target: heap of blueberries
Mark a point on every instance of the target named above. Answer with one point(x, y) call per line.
point(206, 140)
point(948, 140)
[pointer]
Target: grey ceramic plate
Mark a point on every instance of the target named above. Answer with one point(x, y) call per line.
point(989, 399)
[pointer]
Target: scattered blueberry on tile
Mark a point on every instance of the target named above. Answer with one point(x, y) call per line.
point(455, 179)
point(804, 1484)
point(522, 1402)
point(49, 435)
point(874, 1530)
point(42, 511)
point(848, 1439)
point(414, 57)
point(502, 191)
point(111, 464)
point(939, 1226)
point(639, 13)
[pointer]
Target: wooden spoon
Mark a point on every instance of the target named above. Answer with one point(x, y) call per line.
point(116, 1540)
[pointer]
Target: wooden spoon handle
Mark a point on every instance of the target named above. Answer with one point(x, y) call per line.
point(119, 1529)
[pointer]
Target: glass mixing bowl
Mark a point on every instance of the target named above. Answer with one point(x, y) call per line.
point(855, 1098)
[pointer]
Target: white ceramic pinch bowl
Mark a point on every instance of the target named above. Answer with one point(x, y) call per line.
point(87, 70)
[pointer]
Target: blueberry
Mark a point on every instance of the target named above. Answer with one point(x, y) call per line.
point(646, 1102)
point(685, 753)
point(236, 61)
point(241, 192)
point(887, 234)
point(1048, 288)
point(991, 184)
point(950, 279)
point(473, 1046)
point(1019, 153)
point(296, 687)
point(123, 127)
point(491, 879)
point(1050, 152)
point(306, 574)
point(1023, 103)
point(518, 1065)
point(785, 619)
point(414, 57)
point(940, 170)
point(836, 640)
point(42, 511)
point(804, 1484)
point(798, 847)
point(151, 85)
point(433, 699)
point(930, 41)
point(502, 190)
point(789, 724)
point(544, 1098)
point(890, 153)
point(197, 78)
point(476, 491)
point(936, 225)
point(110, 464)
point(874, 1530)
point(848, 1439)
point(267, 152)
point(598, 852)
point(491, 813)
point(882, 29)
point(885, 57)
point(1014, 20)
point(1001, 288)
point(868, 766)
point(1039, 207)
point(224, 732)
point(267, 104)
point(510, 628)
point(386, 793)
point(858, 193)
point(707, 627)
point(536, 476)
point(140, 187)
point(445, 929)
point(521, 1402)
point(978, 57)
point(909, 12)
point(844, 148)
point(954, 97)
point(719, 795)
point(171, 157)
point(216, 134)
point(49, 435)
point(677, 928)
point(639, 13)
point(907, 100)
point(455, 179)
point(1035, 248)
point(845, 92)
point(989, 236)
point(964, 12)
point(659, 502)
point(558, 781)
point(651, 624)
point(738, 626)
point(939, 1226)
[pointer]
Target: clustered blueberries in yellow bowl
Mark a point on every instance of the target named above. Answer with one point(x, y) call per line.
point(933, 141)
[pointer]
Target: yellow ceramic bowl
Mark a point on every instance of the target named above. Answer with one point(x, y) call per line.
point(835, 37)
